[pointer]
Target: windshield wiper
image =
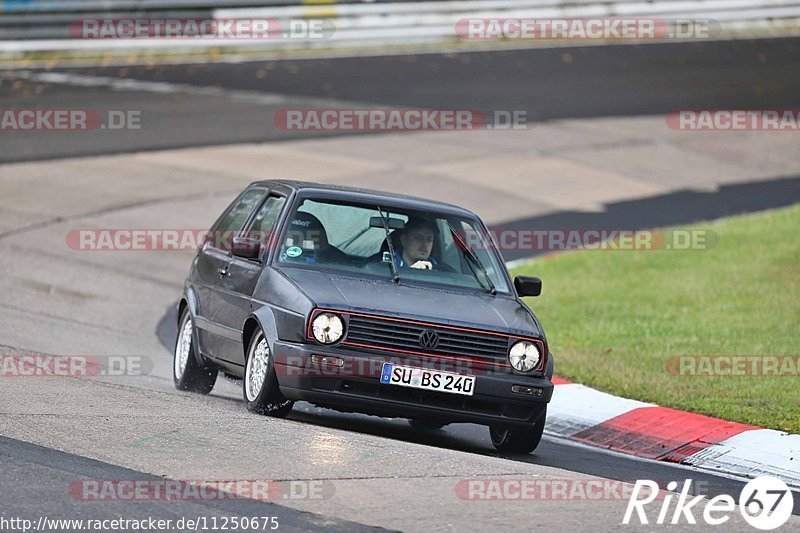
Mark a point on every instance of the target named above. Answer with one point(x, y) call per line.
point(472, 259)
point(396, 276)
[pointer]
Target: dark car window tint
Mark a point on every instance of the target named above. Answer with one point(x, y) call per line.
point(338, 235)
point(266, 218)
point(236, 217)
point(347, 226)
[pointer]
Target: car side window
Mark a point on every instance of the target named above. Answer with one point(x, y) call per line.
point(265, 219)
point(234, 220)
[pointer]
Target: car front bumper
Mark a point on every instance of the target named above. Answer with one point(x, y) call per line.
point(355, 386)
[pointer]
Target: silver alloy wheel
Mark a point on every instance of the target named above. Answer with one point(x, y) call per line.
point(257, 364)
point(183, 347)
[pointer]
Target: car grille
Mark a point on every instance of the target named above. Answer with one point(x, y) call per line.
point(399, 335)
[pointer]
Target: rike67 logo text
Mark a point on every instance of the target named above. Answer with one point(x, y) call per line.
point(766, 503)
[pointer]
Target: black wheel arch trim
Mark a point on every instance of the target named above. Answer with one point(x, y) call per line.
point(265, 319)
point(189, 301)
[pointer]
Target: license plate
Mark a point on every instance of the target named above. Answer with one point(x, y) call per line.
point(420, 378)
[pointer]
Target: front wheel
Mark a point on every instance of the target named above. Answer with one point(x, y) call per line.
point(260, 386)
point(187, 373)
point(518, 440)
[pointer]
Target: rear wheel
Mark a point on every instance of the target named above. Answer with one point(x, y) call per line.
point(187, 373)
point(518, 440)
point(425, 425)
point(260, 387)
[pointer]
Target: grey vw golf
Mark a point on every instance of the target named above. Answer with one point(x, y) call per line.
point(364, 301)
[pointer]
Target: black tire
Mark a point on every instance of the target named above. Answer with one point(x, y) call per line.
point(263, 396)
point(517, 440)
point(425, 425)
point(193, 377)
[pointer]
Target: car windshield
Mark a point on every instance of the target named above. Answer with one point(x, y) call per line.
point(424, 246)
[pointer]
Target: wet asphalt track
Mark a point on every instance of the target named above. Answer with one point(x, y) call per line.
point(34, 477)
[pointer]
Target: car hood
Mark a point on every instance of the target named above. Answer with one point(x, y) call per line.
point(438, 305)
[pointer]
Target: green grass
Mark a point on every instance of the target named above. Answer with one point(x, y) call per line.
point(614, 318)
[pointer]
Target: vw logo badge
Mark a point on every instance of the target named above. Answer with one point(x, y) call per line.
point(429, 339)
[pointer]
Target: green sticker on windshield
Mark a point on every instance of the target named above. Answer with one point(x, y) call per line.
point(294, 251)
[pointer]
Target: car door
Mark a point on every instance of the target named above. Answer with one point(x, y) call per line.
point(211, 268)
point(239, 283)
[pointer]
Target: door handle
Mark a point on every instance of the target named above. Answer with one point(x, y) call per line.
point(223, 271)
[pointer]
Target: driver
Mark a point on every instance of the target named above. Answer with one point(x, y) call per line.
point(416, 244)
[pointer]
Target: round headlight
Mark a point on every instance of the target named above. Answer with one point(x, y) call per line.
point(524, 356)
point(327, 328)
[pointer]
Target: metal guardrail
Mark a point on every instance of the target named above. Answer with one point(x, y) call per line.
point(38, 25)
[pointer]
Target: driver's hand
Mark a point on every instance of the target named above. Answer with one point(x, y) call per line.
point(423, 265)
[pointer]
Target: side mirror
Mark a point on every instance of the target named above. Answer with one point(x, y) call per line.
point(528, 285)
point(246, 248)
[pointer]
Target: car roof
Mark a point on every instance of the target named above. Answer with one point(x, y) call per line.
point(307, 188)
